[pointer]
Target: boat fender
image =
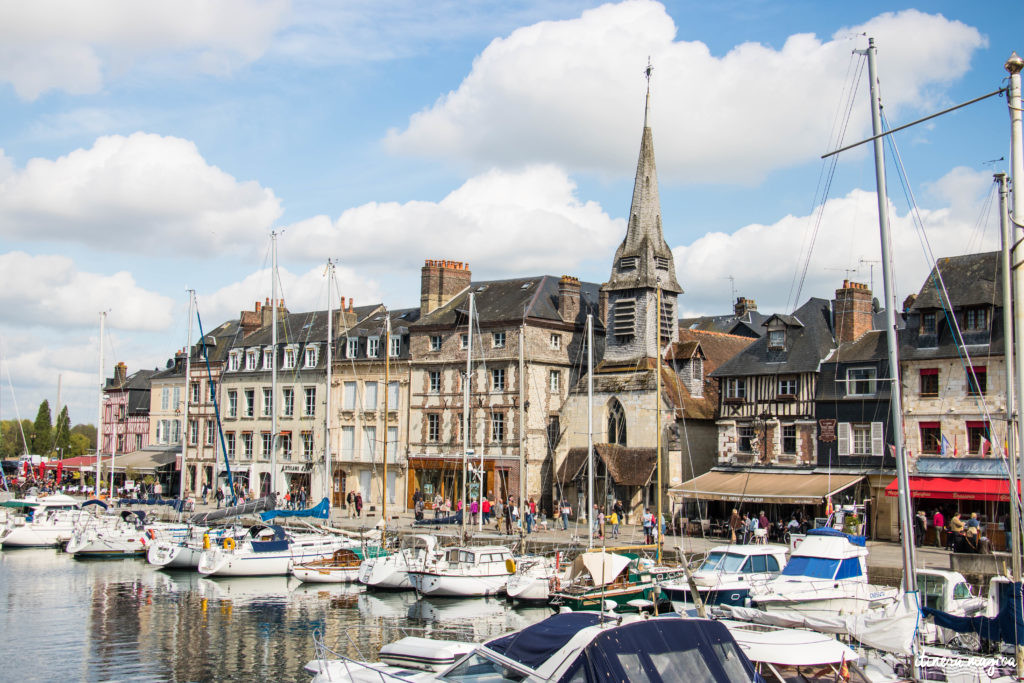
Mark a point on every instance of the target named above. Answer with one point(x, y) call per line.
point(229, 543)
point(206, 541)
point(510, 566)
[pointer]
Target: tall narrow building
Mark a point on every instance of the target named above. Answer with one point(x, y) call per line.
point(643, 263)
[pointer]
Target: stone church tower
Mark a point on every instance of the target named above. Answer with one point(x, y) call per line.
point(643, 263)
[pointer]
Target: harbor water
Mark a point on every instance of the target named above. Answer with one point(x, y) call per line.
point(67, 619)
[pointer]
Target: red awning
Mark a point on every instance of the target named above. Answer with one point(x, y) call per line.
point(949, 488)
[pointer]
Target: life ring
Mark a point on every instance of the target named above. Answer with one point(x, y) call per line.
point(229, 543)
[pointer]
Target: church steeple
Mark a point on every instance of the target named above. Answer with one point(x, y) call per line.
point(643, 264)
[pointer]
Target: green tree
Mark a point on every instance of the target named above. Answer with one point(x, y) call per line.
point(89, 432)
point(42, 439)
point(62, 433)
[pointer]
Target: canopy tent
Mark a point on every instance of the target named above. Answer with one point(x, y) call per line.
point(765, 487)
point(952, 488)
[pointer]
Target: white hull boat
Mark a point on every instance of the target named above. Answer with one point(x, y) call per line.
point(466, 572)
point(391, 572)
point(273, 556)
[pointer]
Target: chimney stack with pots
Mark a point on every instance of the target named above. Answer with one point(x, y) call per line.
point(853, 311)
point(440, 281)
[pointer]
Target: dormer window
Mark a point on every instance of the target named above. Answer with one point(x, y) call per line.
point(928, 323)
point(661, 263)
point(268, 358)
point(311, 356)
point(776, 339)
point(976, 319)
point(291, 355)
point(628, 263)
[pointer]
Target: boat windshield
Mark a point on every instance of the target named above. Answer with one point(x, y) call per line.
point(723, 562)
point(813, 567)
point(476, 667)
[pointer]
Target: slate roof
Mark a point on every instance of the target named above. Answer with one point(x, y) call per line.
point(750, 324)
point(807, 343)
point(498, 301)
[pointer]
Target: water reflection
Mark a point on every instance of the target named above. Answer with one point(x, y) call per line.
point(122, 619)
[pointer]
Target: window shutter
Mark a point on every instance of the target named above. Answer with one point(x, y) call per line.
point(877, 445)
point(844, 438)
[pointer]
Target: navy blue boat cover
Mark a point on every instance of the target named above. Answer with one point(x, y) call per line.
point(321, 510)
point(1006, 627)
point(663, 650)
point(450, 519)
point(534, 644)
point(828, 531)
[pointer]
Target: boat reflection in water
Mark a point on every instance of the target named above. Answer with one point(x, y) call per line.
point(130, 621)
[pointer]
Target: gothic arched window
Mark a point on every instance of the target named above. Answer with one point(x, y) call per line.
point(616, 423)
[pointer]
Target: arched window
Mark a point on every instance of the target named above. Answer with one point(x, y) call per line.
point(616, 423)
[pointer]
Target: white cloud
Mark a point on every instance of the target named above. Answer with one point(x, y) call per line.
point(548, 91)
point(74, 46)
point(51, 291)
point(143, 192)
point(498, 221)
point(301, 292)
point(765, 259)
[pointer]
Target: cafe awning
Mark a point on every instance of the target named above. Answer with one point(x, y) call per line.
point(764, 487)
point(956, 488)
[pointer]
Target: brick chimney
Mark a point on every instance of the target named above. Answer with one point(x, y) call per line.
point(250, 321)
point(568, 298)
point(853, 311)
point(440, 281)
point(120, 374)
point(743, 306)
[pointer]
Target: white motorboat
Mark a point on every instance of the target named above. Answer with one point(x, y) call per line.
point(532, 580)
point(570, 646)
point(185, 553)
point(826, 574)
point(465, 572)
point(391, 572)
point(268, 551)
point(39, 522)
point(728, 572)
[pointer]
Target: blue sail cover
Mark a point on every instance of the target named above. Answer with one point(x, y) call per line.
point(1006, 627)
point(322, 510)
point(664, 649)
point(535, 644)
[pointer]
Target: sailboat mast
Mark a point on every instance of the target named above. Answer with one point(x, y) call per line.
point(328, 471)
point(465, 412)
point(387, 406)
point(273, 369)
point(895, 398)
point(99, 412)
point(657, 417)
point(188, 390)
point(590, 429)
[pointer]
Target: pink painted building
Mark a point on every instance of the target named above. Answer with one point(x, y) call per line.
point(126, 411)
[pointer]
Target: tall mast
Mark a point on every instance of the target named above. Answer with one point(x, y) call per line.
point(590, 429)
point(328, 472)
point(273, 369)
point(188, 395)
point(522, 418)
point(906, 521)
point(387, 406)
point(99, 412)
point(465, 412)
point(657, 416)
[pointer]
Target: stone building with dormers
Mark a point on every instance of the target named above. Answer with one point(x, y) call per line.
point(511, 411)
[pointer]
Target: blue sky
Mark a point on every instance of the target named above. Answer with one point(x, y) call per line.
point(151, 148)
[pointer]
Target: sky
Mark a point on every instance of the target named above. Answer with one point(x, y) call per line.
point(151, 148)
